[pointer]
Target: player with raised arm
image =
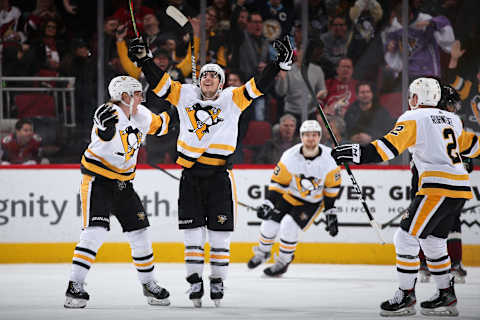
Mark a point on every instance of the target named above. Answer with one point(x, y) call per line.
point(108, 167)
point(208, 117)
point(305, 181)
point(434, 137)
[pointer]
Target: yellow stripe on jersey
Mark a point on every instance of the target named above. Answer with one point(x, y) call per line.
point(379, 149)
point(465, 91)
point(319, 210)
point(398, 140)
point(235, 198)
point(211, 161)
point(276, 189)
point(184, 163)
point(161, 84)
point(469, 144)
point(174, 95)
point(441, 174)
point(239, 98)
point(109, 165)
point(290, 199)
point(166, 123)
point(457, 83)
point(221, 147)
point(252, 88)
point(185, 146)
point(445, 193)
point(106, 173)
point(155, 124)
point(84, 192)
point(81, 256)
point(281, 175)
point(429, 203)
point(332, 179)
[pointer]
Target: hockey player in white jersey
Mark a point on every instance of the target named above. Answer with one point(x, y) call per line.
point(208, 117)
point(305, 182)
point(108, 167)
point(433, 136)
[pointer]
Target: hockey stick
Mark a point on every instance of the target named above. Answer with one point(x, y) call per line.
point(373, 223)
point(130, 6)
point(389, 222)
point(180, 18)
point(153, 165)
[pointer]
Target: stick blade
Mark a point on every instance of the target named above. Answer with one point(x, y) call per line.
point(177, 15)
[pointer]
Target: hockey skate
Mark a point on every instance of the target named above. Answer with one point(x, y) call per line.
point(424, 273)
point(443, 303)
point(402, 304)
point(459, 273)
point(259, 258)
point(76, 296)
point(196, 290)
point(216, 290)
point(156, 295)
point(278, 268)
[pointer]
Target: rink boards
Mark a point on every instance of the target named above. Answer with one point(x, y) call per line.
point(40, 216)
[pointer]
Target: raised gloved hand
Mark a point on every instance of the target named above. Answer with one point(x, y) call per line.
point(138, 51)
point(266, 210)
point(347, 153)
point(331, 221)
point(285, 53)
point(105, 117)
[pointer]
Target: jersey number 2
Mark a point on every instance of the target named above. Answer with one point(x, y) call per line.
point(452, 153)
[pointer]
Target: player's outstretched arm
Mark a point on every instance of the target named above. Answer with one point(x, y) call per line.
point(138, 52)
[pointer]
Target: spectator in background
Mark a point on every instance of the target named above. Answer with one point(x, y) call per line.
point(45, 10)
point(23, 146)
point(283, 138)
point(336, 40)
point(277, 18)
point(317, 16)
point(49, 50)
point(337, 124)
point(80, 64)
point(365, 119)
point(224, 11)
point(341, 89)
point(9, 16)
point(291, 86)
point(140, 11)
point(215, 43)
point(426, 35)
point(238, 23)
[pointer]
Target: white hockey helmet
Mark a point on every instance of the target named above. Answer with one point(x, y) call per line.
point(121, 84)
point(213, 67)
point(427, 90)
point(310, 126)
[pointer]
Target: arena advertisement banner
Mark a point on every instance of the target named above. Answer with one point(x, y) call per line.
point(42, 205)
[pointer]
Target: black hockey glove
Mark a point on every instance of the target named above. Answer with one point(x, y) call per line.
point(266, 210)
point(138, 51)
point(284, 53)
point(467, 164)
point(105, 117)
point(331, 221)
point(347, 153)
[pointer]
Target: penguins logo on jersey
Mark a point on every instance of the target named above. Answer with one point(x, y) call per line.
point(131, 140)
point(306, 185)
point(202, 118)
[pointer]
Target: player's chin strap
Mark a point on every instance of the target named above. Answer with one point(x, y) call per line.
point(130, 105)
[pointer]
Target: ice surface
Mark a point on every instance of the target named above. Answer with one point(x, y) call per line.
point(306, 291)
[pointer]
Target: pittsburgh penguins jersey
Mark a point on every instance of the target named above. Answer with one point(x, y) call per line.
point(298, 180)
point(208, 128)
point(117, 157)
point(435, 138)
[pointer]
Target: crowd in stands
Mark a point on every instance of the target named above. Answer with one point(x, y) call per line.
point(353, 60)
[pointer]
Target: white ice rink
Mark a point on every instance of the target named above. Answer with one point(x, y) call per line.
point(307, 291)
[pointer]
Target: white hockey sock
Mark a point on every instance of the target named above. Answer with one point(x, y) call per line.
point(91, 239)
point(142, 254)
point(219, 253)
point(268, 233)
point(407, 261)
point(438, 261)
point(289, 231)
point(194, 240)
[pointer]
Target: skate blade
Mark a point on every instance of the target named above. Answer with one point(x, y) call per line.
point(217, 302)
point(408, 311)
point(158, 302)
point(72, 303)
point(449, 311)
point(197, 303)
